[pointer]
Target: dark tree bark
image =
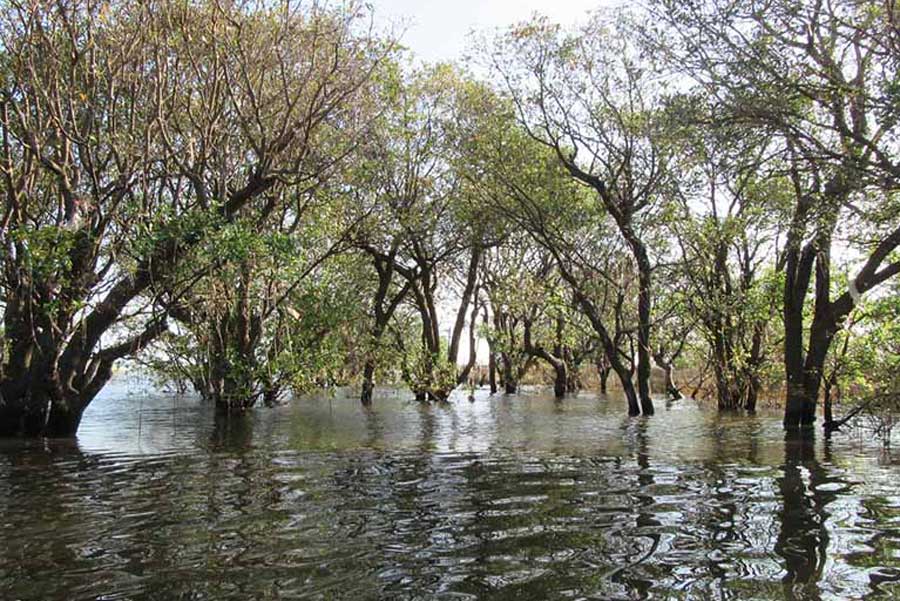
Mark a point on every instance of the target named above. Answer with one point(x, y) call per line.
point(609, 347)
point(384, 305)
point(510, 377)
point(492, 357)
point(473, 342)
point(644, 309)
point(805, 367)
point(554, 359)
point(603, 370)
point(469, 295)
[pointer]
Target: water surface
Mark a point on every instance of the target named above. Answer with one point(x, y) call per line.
point(507, 497)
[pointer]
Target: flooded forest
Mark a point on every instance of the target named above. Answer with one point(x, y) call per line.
point(603, 310)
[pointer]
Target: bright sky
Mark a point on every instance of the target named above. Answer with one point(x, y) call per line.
point(437, 30)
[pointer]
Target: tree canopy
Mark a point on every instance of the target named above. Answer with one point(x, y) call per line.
point(256, 198)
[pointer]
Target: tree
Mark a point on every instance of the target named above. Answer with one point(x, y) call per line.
point(588, 97)
point(417, 231)
point(728, 226)
point(523, 181)
point(255, 320)
point(129, 132)
point(527, 298)
point(818, 78)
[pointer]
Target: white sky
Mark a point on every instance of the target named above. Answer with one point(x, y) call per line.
point(437, 30)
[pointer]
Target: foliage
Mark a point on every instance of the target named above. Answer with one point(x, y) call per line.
point(262, 198)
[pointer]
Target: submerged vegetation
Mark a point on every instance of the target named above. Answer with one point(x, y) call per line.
point(259, 198)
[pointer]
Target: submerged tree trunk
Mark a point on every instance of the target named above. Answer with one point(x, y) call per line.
point(612, 355)
point(492, 371)
point(644, 310)
point(384, 305)
point(671, 387)
point(802, 366)
point(667, 365)
point(607, 345)
point(561, 381)
point(828, 403)
point(554, 359)
point(603, 370)
point(48, 381)
point(38, 413)
point(469, 295)
point(510, 378)
point(463, 375)
point(492, 354)
point(368, 383)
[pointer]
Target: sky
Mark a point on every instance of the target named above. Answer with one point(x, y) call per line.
point(437, 30)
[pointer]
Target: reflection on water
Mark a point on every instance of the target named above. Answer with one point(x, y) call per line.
point(508, 497)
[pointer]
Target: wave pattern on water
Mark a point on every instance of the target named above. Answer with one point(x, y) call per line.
point(503, 498)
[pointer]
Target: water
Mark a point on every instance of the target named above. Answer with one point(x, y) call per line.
point(503, 498)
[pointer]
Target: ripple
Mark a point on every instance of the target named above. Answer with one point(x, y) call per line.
point(514, 498)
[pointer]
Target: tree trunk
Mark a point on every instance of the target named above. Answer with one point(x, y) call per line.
point(603, 370)
point(798, 400)
point(473, 343)
point(753, 387)
point(573, 384)
point(561, 382)
point(492, 370)
point(645, 305)
point(510, 381)
point(384, 306)
point(666, 364)
point(46, 385)
point(827, 403)
point(630, 395)
point(554, 359)
point(40, 416)
point(800, 260)
point(469, 294)
point(492, 355)
point(368, 383)
point(609, 347)
point(671, 387)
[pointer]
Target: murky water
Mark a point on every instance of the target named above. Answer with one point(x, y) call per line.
point(502, 498)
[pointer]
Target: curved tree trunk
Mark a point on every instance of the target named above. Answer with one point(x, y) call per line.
point(608, 346)
point(384, 306)
point(555, 359)
point(671, 387)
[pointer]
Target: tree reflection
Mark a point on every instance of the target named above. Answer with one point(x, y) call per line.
point(806, 489)
point(231, 433)
point(637, 574)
